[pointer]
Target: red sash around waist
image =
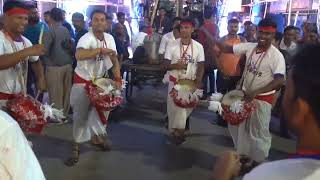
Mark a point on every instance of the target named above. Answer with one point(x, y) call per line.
point(5, 96)
point(266, 98)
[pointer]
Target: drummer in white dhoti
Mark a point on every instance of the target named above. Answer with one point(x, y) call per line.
point(184, 52)
point(264, 73)
point(96, 54)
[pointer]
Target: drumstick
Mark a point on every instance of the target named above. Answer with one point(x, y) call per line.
point(41, 34)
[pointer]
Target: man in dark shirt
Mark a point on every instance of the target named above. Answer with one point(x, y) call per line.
point(162, 23)
point(67, 25)
point(79, 26)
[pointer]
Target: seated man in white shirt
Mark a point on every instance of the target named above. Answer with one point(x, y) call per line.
point(138, 39)
point(170, 37)
point(301, 107)
point(17, 160)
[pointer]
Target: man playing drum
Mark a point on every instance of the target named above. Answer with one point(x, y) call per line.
point(264, 73)
point(181, 52)
point(96, 54)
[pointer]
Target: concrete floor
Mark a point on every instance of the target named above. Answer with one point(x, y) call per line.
point(140, 148)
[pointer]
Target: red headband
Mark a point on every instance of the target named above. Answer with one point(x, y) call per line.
point(17, 10)
point(187, 23)
point(267, 29)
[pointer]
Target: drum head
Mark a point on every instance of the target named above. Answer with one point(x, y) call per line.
point(187, 84)
point(232, 96)
point(103, 82)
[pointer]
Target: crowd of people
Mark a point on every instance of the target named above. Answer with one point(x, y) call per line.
point(271, 68)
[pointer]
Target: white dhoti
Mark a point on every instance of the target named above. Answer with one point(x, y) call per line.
point(86, 121)
point(252, 137)
point(177, 116)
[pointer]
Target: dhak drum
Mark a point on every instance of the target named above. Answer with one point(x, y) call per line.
point(235, 108)
point(183, 94)
point(103, 94)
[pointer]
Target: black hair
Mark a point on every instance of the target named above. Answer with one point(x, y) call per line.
point(233, 21)
point(8, 5)
point(296, 28)
point(47, 13)
point(208, 12)
point(176, 19)
point(289, 28)
point(247, 23)
point(77, 15)
point(56, 14)
point(97, 11)
point(121, 14)
point(267, 22)
point(305, 75)
point(188, 20)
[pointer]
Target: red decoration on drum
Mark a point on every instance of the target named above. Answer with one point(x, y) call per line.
point(27, 112)
point(181, 102)
point(235, 118)
point(100, 100)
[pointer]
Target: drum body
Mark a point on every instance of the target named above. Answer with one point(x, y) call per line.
point(247, 108)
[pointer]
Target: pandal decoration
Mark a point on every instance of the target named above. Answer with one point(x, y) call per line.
point(30, 114)
point(185, 94)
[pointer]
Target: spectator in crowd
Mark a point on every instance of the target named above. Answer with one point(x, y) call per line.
point(209, 28)
point(312, 37)
point(229, 70)
point(298, 34)
point(251, 34)
point(302, 111)
point(246, 25)
point(162, 22)
point(59, 71)
point(109, 24)
point(138, 39)
point(168, 38)
point(119, 36)
point(47, 18)
point(79, 26)
point(32, 32)
point(288, 42)
point(67, 25)
point(126, 41)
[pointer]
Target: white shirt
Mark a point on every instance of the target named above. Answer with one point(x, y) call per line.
point(194, 52)
point(94, 68)
point(165, 41)
point(289, 169)
point(17, 160)
point(256, 77)
point(137, 40)
point(291, 49)
point(10, 82)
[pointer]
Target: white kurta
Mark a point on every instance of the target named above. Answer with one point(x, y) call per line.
point(17, 160)
point(288, 169)
point(252, 137)
point(177, 116)
point(86, 121)
point(9, 81)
